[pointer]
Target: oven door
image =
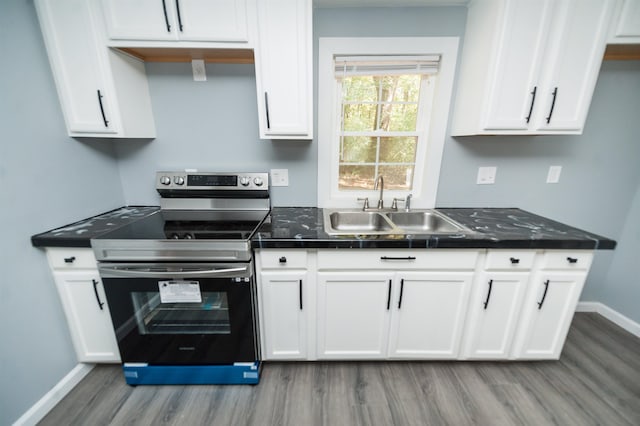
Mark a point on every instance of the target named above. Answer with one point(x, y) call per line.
point(182, 313)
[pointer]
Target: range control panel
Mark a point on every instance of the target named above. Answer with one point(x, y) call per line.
point(208, 181)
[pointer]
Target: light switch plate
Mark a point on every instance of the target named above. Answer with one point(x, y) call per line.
point(279, 177)
point(199, 70)
point(486, 175)
point(554, 174)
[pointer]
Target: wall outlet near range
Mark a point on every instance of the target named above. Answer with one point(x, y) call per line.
point(554, 174)
point(279, 177)
point(486, 175)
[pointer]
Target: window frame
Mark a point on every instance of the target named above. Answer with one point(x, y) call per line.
point(429, 155)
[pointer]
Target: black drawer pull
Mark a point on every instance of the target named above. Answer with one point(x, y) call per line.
point(544, 295)
point(486, 302)
point(282, 259)
point(95, 290)
point(69, 259)
point(514, 260)
point(397, 258)
point(572, 259)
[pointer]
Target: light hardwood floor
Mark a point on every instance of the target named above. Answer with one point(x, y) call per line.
point(596, 382)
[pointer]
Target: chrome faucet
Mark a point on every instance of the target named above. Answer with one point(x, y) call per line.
point(380, 181)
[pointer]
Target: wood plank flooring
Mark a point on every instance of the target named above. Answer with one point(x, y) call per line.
point(596, 382)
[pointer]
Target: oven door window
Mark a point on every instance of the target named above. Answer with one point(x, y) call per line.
point(210, 316)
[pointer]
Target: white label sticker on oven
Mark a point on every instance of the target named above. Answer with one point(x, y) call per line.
point(180, 292)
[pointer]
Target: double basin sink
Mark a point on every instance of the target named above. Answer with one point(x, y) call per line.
point(359, 222)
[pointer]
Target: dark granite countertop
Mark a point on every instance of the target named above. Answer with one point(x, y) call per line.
point(302, 227)
point(79, 234)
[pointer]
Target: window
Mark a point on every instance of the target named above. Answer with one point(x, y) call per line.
point(377, 98)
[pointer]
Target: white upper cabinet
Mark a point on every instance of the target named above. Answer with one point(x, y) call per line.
point(102, 93)
point(189, 20)
point(283, 69)
point(626, 25)
point(530, 67)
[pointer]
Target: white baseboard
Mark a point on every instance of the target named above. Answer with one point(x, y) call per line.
point(55, 395)
point(614, 316)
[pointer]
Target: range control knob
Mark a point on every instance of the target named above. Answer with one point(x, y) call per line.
point(165, 180)
point(258, 181)
point(178, 180)
point(245, 181)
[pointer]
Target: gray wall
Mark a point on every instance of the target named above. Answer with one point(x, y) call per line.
point(211, 126)
point(46, 180)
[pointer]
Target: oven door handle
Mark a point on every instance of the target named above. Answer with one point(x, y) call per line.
point(145, 272)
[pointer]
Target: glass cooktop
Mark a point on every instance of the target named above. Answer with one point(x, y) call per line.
point(191, 225)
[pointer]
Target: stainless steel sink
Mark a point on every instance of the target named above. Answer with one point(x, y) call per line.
point(423, 222)
point(358, 222)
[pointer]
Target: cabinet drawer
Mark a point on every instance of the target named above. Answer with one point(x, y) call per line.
point(510, 260)
point(566, 260)
point(397, 259)
point(283, 259)
point(71, 258)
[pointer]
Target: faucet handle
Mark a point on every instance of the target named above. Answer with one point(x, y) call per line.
point(394, 203)
point(366, 202)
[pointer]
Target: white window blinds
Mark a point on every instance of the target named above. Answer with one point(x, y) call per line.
point(385, 65)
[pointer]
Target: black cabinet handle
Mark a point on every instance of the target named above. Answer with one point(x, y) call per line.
point(179, 18)
point(401, 291)
point(514, 260)
point(300, 292)
point(166, 17)
point(389, 297)
point(544, 295)
point(486, 302)
point(104, 117)
point(282, 259)
point(533, 100)
point(95, 290)
point(69, 259)
point(553, 104)
point(572, 259)
point(266, 108)
point(397, 258)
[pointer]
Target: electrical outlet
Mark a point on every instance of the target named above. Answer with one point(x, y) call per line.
point(486, 175)
point(279, 177)
point(199, 70)
point(554, 174)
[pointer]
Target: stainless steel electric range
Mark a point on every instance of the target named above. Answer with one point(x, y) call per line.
point(180, 282)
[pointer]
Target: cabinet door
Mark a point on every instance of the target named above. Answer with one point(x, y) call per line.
point(283, 69)
point(78, 62)
point(87, 312)
point(353, 314)
point(572, 63)
point(547, 313)
point(284, 316)
point(514, 89)
point(206, 20)
point(493, 315)
point(428, 312)
point(140, 19)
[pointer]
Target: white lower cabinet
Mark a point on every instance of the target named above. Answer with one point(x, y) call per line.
point(417, 304)
point(428, 314)
point(550, 302)
point(284, 318)
point(493, 314)
point(354, 312)
point(85, 306)
point(547, 314)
